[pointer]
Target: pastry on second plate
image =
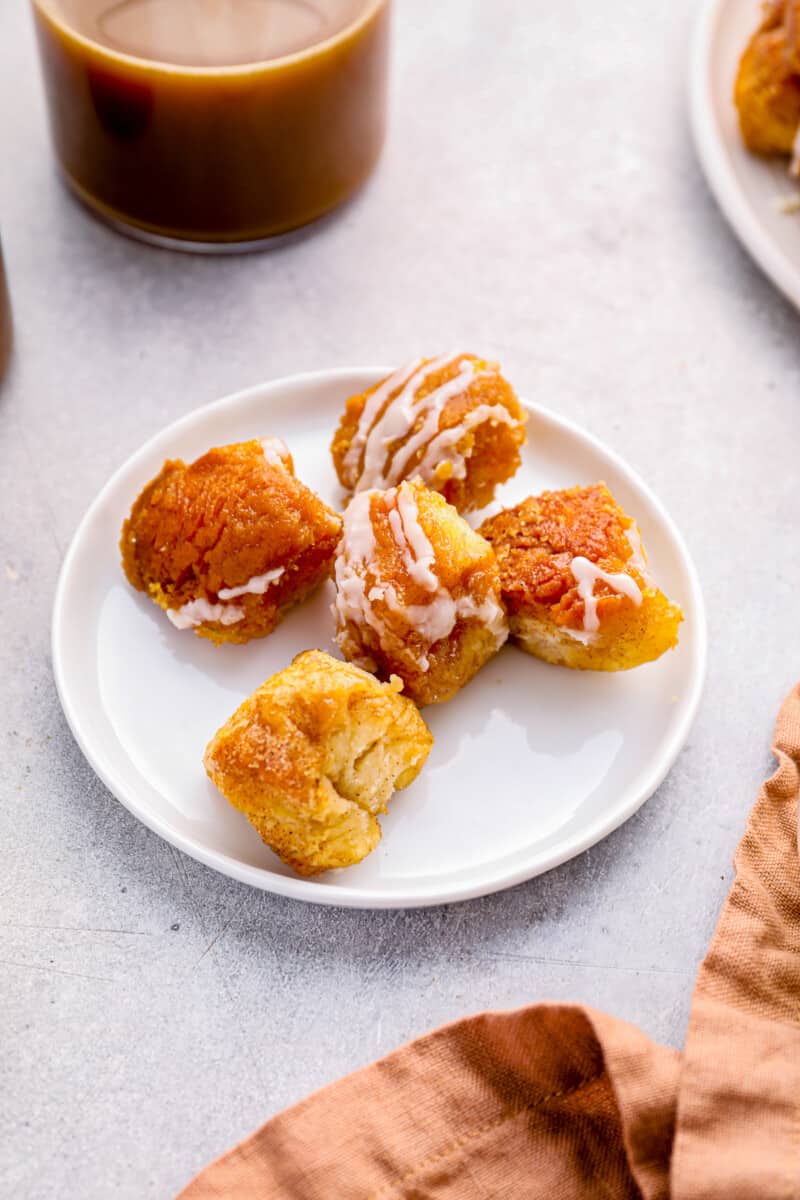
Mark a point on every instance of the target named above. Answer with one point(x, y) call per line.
point(314, 755)
point(767, 91)
point(226, 545)
point(575, 582)
point(417, 592)
point(454, 421)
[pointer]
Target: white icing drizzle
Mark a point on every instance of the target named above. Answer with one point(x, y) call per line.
point(489, 612)
point(276, 452)
point(351, 603)
point(197, 612)
point(256, 586)
point(395, 422)
point(355, 599)
point(432, 407)
point(586, 575)
point(370, 413)
point(417, 550)
point(442, 447)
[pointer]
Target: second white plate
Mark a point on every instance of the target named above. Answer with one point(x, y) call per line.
point(532, 763)
point(748, 189)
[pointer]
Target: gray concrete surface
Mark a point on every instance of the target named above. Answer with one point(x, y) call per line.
point(538, 198)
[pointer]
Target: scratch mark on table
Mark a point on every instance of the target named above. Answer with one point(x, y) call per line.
point(75, 929)
point(56, 971)
point(594, 966)
point(220, 932)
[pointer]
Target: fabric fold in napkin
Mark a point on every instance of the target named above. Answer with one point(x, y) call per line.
point(566, 1103)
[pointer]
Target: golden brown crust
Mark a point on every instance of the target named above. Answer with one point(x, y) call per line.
point(536, 544)
point(791, 26)
point(536, 541)
point(391, 627)
point(490, 450)
point(230, 517)
point(314, 755)
point(767, 89)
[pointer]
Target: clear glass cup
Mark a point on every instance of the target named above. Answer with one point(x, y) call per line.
point(214, 123)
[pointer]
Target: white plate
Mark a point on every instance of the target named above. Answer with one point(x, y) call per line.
point(748, 189)
point(532, 763)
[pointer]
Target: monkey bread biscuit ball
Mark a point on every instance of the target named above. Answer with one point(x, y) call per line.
point(417, 592)
point(454, 421)
point(314, 755)
point(767, 91)
point(575, 582)
point(226, 545)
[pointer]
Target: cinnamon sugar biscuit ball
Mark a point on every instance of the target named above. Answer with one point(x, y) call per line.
point(226, 545)
point(314, 755)
point(767, 90)
point(417, 592)
point(454, 421)
point(575, 582)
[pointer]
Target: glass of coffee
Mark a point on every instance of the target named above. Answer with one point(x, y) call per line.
point(214, 124)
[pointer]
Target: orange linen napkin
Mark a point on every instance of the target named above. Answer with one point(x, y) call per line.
point(565, 1103)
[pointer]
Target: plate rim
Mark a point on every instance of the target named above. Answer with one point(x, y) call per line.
point(712, 155)
point(349, 896)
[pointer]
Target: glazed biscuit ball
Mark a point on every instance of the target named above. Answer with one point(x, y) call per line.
point(454, 422)
point(314, 755)
point(417, 592)
point(226, 545)
point(767, 90)
point(575, 582)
